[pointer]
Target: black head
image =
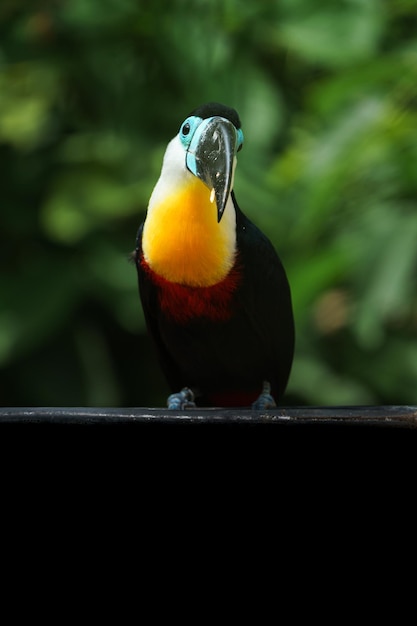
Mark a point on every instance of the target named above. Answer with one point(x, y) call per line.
point(212, 109)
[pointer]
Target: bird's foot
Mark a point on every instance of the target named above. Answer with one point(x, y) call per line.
point(265, 400)
point(184, 399)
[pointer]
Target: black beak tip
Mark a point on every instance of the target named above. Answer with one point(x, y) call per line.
point(221, 195)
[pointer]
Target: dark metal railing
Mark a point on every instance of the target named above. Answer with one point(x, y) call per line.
point(383, 416)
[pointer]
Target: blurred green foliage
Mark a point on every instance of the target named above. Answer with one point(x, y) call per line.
point(91, 91)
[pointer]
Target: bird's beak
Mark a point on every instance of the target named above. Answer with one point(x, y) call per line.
point(210, 157)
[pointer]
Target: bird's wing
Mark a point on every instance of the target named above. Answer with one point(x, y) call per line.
point(265, 297)
point(150, 305)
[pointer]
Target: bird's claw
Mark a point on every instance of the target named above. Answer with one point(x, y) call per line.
point(265, 400)
point(184, 399)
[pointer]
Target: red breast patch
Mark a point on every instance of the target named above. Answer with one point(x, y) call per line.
point(183, 303)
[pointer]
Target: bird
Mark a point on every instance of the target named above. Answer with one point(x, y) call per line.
point(215, 295)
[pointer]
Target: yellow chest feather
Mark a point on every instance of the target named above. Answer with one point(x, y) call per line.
point(182, 240)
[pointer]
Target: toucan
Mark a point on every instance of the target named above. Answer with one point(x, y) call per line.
point(215, 295)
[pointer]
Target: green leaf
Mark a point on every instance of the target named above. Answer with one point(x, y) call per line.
point(335, 35)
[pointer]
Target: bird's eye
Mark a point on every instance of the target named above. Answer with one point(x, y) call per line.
point(187, 129)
